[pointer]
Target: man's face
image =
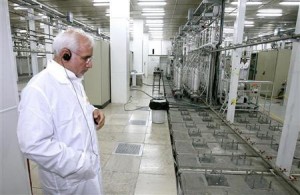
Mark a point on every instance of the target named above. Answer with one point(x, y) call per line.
point(81, 59)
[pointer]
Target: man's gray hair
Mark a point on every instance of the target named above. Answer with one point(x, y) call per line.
point(68, 39)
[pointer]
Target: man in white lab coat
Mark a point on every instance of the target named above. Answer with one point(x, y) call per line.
point(56, 126)
point(244, 69)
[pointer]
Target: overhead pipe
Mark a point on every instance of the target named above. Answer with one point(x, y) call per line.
point(214, 75)
point(294, 37)
point(42, 7)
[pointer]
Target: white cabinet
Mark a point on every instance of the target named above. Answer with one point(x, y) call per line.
point(273, 66)
point(97, 79)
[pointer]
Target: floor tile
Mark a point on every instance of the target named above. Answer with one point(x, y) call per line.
point(121, 137)
point(157, 139)
point(135, 129)
point(123, 163)
point(107, 147)
point(161, 151)
point(104, 159)
point(157, 165)
point(155, 184)
point(34, 174)
point(119, 183)
point(112, 128)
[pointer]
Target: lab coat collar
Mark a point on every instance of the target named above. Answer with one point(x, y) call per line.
point(61, 74)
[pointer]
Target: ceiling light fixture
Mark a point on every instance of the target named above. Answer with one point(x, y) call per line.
point(153, 10)
point(153, 28)
point(155, 32)
point(153, 14)
point(154, 17)
point(151, 3)
point(269, 14)
point(248, 3)
point(290, 3)
point(155, 25)
point(101, 4)
point(20, 8)
point(271, 11)
point(154, 21)
point(156, 37)
point(249, 22)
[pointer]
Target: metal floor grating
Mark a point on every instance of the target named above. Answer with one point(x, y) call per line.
point(129, 149)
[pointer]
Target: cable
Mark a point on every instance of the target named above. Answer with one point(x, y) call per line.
point(138, 108)
point(141, 91)
point(87, 123)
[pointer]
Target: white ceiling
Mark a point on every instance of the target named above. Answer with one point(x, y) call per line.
point(176, 13)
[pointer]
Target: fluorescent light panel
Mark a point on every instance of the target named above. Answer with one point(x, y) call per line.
point(20, 8)
point(153, 10)
point(154, 17)
point(268, 14)
point(154, 21)
point(289, 3)
point(249, 22)
point(100, 1)
point(151, 0)
point(153, 14)
point(271, 11)
point(155, 25)
point(151, 3)
point(248, 3)
point(152, 29)
point(155, 32)
point(101, 4)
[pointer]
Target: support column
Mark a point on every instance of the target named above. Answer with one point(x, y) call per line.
point(14, 177)
point(235, 59)
point(145, 53)
point(291, 126)
point(119, 50)
point(33, 43)
point(138, 33)
point(48, 46)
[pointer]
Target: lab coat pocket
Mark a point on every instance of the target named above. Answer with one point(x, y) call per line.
point(86, 172)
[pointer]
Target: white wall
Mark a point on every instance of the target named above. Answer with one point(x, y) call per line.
point(137, 43)
point(145, 54)
point(161, 47)
point(14, 178)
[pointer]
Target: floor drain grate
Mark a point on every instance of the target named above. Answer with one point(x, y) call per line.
point(137, 122)
point(129, 149)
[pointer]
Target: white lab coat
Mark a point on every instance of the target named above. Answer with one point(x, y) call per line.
point(244, 70)
point(53, 132)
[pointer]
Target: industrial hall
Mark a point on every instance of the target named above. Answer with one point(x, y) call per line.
point(150, 97)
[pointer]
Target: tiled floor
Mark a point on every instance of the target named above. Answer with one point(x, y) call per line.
point(150, 173)
point(153, 171)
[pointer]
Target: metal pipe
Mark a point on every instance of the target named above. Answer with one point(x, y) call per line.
point(296, 37)
point(274, 168)
point(228, 172)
